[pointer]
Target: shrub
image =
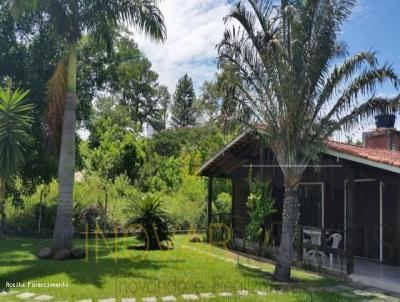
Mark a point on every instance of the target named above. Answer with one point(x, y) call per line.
point(188, 206)
point(260, 204)
point(153, 221)
point(94, 215)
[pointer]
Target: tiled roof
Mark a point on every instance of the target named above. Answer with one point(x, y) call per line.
point(374, 154)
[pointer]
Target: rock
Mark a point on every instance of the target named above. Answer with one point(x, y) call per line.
point(43, 298)
point(78, 253)
point(195, 239)
point(62, 254)
point(45, 253)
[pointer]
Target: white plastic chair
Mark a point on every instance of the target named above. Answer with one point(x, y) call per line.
point(312, 254)
point(336, 239)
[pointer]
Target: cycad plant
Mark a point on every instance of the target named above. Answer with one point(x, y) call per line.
point(14, 123)
point(152, 222)
point(70, 19)
point(286, 57)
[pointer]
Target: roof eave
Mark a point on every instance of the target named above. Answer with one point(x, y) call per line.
point(362, 160)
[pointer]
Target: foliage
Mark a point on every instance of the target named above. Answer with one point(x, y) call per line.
point(160, 174)
point(152, 220)
point(94, 216)
point(218, 102)
point(23, 218)
point(14, 123)
point(284, 62)
point(120, 152)
point(260, 205)
point(223, 203)
point(183, 107)
point(187, 205)
point(136, 86)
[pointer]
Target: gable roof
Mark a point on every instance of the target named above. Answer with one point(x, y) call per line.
point(374, 157)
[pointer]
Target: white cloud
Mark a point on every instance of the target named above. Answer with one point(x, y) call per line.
point(194, 28)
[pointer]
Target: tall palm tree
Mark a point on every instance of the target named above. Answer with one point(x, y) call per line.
point(72, 18)
point(14, 121)
point(285, 55)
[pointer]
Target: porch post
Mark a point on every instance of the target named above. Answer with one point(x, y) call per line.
point(350, 196)
point(233, 205)
point(209, 203)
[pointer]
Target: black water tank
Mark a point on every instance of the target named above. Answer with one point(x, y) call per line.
point(385, 120)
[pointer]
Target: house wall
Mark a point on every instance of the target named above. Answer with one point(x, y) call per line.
point(332, 174)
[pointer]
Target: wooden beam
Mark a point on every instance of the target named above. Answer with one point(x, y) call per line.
point(350, 200)
point(209, 202)
point(398, 226)
point(233, 204)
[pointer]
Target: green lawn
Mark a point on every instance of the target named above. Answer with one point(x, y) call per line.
point(131, 273)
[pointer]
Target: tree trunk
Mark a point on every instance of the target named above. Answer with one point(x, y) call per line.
point(2, 206)
point(290, 219)
point(63, 229)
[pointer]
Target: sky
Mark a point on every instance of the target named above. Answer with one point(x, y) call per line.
point(196, 26)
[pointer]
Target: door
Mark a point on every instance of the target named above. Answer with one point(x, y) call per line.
point(367, 219)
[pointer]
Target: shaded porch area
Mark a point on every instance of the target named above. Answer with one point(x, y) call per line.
point(375, 274)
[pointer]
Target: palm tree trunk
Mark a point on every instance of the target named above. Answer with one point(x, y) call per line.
point(63, 229)
point(2, 206)
point(290, 219)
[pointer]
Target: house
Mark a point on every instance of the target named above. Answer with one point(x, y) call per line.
point(353, 191)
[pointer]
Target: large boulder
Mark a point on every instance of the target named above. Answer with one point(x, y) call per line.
point(195, 239)
point(63, 254)
point(45, 253)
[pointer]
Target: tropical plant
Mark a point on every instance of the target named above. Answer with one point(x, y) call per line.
point(260, 204)
point(284, 54)
point(70, 19)
point(14, 123)
point(152, 221)
point(183, 107)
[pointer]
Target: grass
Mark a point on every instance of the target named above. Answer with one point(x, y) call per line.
point(120, 272)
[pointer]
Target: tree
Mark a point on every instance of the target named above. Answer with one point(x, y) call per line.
point(14, 122)
point(130, 78)
point(165, 102)
point(30, 64)
point(70, 19)
point(120, 152)
point(183, 109)
point(285, 57)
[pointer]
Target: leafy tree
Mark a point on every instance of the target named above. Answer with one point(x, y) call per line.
point(107, 113)
point(120, 152)
point(183, 108)
point(70, 19)
point(14, 122)
point(284, 57)
point(210, 100)
point(29, 51)
point(165, 103)
point(136, 85)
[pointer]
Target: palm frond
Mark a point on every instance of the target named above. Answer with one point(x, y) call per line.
point(362, 85)
point(371, 108)
point(14, 122)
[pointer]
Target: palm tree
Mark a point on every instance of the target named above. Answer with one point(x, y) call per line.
point(285, 55)
point(71, 18)
point(14, 122)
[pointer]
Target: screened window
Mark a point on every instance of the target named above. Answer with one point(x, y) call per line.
point(310, 197)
